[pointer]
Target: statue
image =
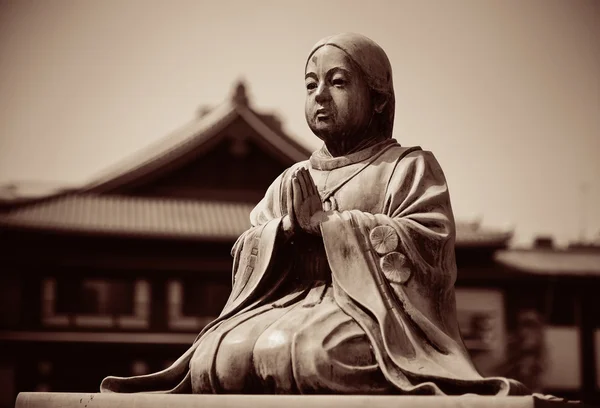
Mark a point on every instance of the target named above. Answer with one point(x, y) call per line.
point(344, 284)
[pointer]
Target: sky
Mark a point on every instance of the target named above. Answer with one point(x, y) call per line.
point(505, 93)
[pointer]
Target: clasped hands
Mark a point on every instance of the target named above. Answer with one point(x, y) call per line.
point(304, 206)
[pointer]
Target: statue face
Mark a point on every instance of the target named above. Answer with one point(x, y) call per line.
point(338, 99)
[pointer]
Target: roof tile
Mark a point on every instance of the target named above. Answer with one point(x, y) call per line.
point(135, 215)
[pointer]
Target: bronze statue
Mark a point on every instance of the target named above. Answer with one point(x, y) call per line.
point(344, 283)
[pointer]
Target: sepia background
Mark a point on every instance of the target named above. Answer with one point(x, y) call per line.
point(135, 136)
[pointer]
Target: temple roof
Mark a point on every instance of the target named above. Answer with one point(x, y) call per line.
point(552, 261)
point(134, 216)
point(184, 144)
point(472, 234)
point(189, 140)
point(16, 193)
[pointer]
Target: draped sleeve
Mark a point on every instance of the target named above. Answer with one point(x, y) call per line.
point(394, 272)
point(255, 250)
point(416, 206)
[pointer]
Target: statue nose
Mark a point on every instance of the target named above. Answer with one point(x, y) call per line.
point(322, 94)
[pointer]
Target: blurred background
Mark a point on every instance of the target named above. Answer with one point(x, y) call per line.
point(136, 136)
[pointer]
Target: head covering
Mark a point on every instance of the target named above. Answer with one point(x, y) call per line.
point(375, 66)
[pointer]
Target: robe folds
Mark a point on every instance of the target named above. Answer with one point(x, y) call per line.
point(380, 280)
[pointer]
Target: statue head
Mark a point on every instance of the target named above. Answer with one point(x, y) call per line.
point(350, 93)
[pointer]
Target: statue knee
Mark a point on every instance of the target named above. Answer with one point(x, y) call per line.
point(233, 362)
point(309, 356)
point(272, 361)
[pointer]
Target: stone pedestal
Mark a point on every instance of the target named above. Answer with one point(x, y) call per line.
point(74, 400)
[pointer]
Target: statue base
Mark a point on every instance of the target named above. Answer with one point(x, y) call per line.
point(80, 400)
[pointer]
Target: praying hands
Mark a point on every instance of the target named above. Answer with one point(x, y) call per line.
point(304, 205)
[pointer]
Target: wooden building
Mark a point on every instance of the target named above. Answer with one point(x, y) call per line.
point(557, 291)
point(118, 276)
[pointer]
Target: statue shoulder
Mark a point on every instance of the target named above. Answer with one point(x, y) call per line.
point(398, 152)
point(413, 155)
point(418, 162)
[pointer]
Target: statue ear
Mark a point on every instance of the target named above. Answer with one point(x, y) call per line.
point(379, 101)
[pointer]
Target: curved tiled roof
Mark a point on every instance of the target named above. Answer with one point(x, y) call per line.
point(151, 217)
point(552, 261)
point(17, 193)
point(471, 234)
point(189, 138)
point(175, 147)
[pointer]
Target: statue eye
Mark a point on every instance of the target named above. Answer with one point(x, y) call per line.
point(338, 82)
point(311, 86)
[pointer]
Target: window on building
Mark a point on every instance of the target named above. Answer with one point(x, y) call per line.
point(11, 301)
point(563, 371)
point(543, 318)
point(206, 298)
point(95, 303)
point(480, 313)
point(95, 297)
point(194, 303)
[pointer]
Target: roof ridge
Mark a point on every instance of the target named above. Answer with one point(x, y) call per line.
point(184, 140)
point(196, 130)
point(146, 199)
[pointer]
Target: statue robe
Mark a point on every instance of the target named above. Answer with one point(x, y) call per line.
point(324, 314)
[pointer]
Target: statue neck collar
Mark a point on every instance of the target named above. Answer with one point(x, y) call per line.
point(322, 159)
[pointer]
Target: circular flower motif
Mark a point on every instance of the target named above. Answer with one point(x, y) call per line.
point(395, 267)
point(383, 239)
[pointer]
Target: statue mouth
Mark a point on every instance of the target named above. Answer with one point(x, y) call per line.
point(322, 115)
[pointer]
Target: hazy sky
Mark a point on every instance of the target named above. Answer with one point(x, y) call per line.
point(505, 93)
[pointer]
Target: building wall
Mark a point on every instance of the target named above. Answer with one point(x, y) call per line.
point(65, 323)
